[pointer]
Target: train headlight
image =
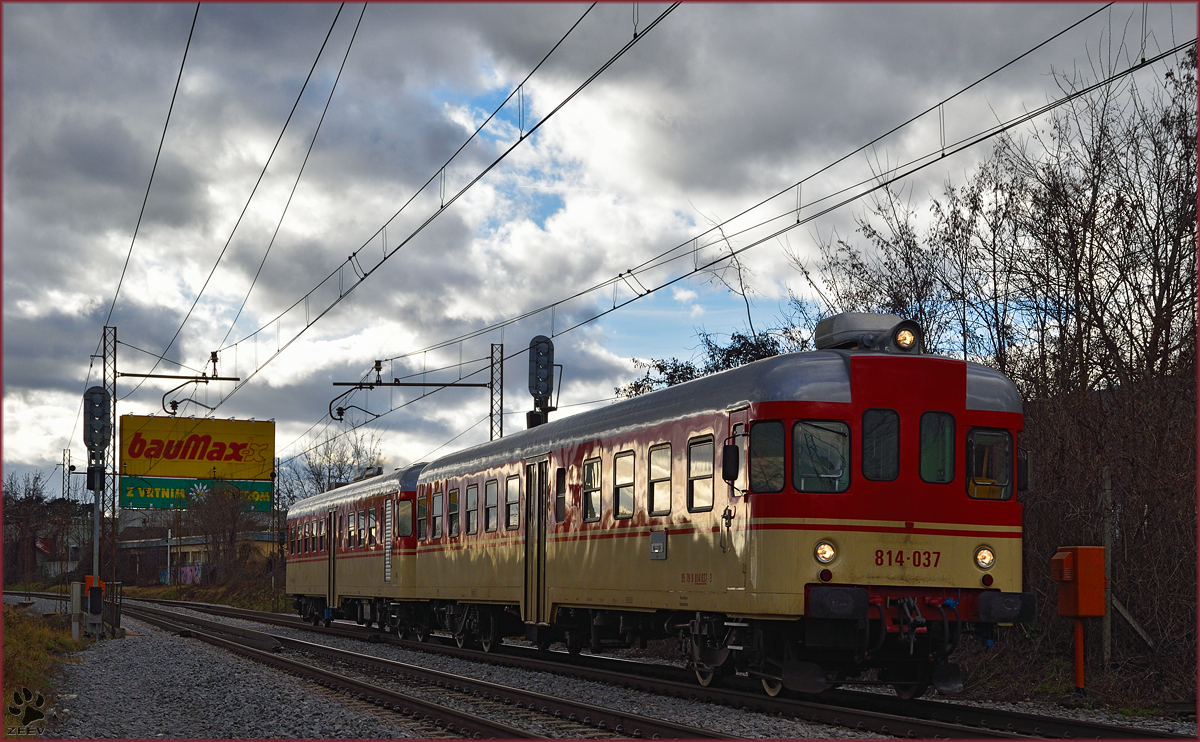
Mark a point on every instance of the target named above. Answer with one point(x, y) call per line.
point(985, 557)
point(825, 552)
point(905, 338)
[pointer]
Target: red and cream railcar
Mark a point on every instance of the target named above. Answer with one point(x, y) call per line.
point(351, 549)
point(803, 518)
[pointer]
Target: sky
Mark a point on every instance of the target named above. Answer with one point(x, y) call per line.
point(383, 227)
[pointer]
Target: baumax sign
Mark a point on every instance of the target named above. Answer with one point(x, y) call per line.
point(161, 456)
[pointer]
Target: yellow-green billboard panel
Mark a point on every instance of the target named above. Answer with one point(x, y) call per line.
point(196, 448)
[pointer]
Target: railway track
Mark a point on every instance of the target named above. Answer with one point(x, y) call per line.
point(859, 710)
point(360, 675)
point(865, 711)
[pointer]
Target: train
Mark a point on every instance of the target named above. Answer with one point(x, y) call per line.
point(846, 514)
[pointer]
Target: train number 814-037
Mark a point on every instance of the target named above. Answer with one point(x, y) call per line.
point(901, 558)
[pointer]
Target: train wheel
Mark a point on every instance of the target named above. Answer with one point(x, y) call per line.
point(772, 687)
point(422, 633)
point(574, 642)
point(460, 640)
point(489, 644)
point(328, 622)
point(543, 641)
point(706, 677)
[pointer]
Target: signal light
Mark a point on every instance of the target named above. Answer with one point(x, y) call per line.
point(825, 575)
point(987, 580)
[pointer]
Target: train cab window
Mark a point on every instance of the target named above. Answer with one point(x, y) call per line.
point(821, 456)
point(490, 492)
point(591, 490)
point(560, 494)
point(422, 512)
point(937, 447)
point(766, 456)
point(659, 485)
point(473, 508)
point(700, 475)
point(623, 485)
point(436, 530)
point(362, 527)
point(881, 445)
point(512, 502)
point(404, 518)
point(452, 513)
point(989, 464)
point(371, 527)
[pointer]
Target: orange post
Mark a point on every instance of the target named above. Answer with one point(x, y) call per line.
point(1079, 691)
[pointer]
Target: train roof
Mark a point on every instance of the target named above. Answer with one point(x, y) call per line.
point(819, 376)
point(399, 480)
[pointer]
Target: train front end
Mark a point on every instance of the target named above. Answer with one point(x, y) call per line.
point(891, 512)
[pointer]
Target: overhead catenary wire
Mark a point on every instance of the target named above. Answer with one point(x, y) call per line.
point(253, 190)
point(296, 183)
point(692, 242)
point(153, 168)
point(897, 174)
point(364, 273)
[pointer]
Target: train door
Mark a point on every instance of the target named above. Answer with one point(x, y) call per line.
point(738, 536)
point(331, 519)
point(388, 507)
point(536, 488)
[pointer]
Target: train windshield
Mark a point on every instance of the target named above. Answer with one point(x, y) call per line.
point(989, 464)
point(821, 456)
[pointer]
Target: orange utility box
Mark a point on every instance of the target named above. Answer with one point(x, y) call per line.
point(1079, 572)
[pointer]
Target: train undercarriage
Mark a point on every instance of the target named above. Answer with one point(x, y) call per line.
point(906, 640)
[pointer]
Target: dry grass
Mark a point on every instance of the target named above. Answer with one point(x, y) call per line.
point(32, 646)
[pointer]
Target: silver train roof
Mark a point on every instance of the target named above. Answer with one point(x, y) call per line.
point(820, 376)
point(401, 479)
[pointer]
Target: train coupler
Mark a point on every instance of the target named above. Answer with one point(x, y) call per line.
point(911, 621)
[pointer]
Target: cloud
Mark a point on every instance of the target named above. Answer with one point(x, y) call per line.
point(715, 109)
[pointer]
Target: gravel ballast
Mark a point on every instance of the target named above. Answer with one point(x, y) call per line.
point(152, 684)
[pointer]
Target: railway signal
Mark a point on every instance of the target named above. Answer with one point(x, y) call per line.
point(97, 431)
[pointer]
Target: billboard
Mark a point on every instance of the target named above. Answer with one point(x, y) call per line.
point(167, 461)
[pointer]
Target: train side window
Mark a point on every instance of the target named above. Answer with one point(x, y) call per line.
point(490, 493)
point(881, 445)
point(350, 531)
point(404, 518)
point(560, 494)
point(821, 456)
point(452, 513)
point(766, 456)
point(362, 527)
point(937, 447)
point(321, 544)
point(700, 475)
point(623, 485)
point(292, 542)
point(659, 485)
point(989, 463)
point(341, 532)
point(436, 530)
point(371, 527)
point(307, 537)
point(473, 508)
point(591, 490)
point(512, 502)
point(422, 510)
